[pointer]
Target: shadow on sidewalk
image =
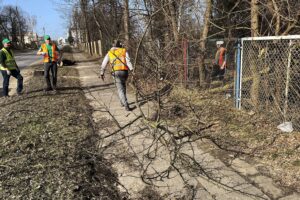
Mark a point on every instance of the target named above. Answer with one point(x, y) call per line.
point(60, 89)
point(88, 60)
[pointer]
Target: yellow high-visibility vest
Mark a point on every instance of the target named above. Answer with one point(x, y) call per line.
point(117, 58)
point(54, 57)
point(10, 60)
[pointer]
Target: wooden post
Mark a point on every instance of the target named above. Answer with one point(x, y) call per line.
point(95, 48)
point(100, 48)
point(89, 48)
point(92, 49)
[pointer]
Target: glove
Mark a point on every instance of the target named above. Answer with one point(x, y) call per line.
point(8, 72)
point(60, 63)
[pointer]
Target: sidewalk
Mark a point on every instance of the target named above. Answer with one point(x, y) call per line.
point(126, 137)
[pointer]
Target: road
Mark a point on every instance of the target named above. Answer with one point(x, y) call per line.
point(24, 59)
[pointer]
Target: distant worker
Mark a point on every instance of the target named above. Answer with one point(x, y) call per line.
point(9, 67)
point(51, 57)
point(220, 62)
point(119, 60)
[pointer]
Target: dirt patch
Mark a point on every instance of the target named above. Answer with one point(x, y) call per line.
point(251, 136)
point(48, 145)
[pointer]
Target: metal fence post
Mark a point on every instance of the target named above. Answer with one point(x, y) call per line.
point(238, 76)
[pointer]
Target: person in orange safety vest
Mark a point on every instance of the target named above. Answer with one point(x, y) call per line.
point(51, 57)
point(220, 63)
point(120, 63)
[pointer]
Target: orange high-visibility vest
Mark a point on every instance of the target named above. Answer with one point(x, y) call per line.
point(117, 58)
point(220, 56)
point(54, 57)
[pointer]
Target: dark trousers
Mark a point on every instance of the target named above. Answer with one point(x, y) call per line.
point(51, 66)
point(217, 72)
point(6, 77)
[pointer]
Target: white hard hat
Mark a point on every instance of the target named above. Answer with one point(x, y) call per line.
point(220, 42)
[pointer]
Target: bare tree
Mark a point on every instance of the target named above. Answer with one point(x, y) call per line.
point(14, 24)
point(172, 7)
point(203, 38)
point(84, 10)
point(126, 23)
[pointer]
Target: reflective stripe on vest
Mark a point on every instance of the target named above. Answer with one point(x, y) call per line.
point(47, 56)
point(9, 62)
point(117, 58)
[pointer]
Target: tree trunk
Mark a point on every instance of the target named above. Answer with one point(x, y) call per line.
point(77, 29)
point(254, 18)
point(273, 8)
point(174, 21)
point(126, 23)
point(20, 32)
point(254, 92)
point(203, 38)
point(97, 21)
point(83, 5)
point(114, 17)
point(277, 26)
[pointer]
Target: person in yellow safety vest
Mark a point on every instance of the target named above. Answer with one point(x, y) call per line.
point(9, 67)
point(51, 57)
point(119, 60)
point(220, 63)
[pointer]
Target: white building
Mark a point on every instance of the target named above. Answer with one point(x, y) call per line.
point(61, 41)
point(31, 37)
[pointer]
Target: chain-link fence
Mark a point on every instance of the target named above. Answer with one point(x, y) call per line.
point(270, 77)
point(180, 63)
point(192, 65)
point(160, 63)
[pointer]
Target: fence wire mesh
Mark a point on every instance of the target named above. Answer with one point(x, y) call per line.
point(193, 50)
point(271, 78)
point(179, 64)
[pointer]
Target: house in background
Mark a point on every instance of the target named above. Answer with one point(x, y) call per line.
point(61, 41)
point(31, 40)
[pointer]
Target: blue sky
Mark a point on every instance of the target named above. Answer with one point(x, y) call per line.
point(46, 14)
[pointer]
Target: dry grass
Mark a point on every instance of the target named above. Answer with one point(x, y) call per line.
point(48, 146)
point(251, 135)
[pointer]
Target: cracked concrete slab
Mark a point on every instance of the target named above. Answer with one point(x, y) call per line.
point(215, 181)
